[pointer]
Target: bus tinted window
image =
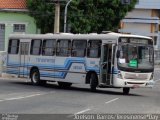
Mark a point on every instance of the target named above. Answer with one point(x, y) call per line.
point(36, 47)
point(13, 47)
point(79, 48)
point(94, 49)
point(49, 47)
point(63, 47)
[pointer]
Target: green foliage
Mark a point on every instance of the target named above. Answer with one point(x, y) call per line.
point(43, 14)
point(84, 16)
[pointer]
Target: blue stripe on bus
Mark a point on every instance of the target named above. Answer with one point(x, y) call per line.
point(67, 64)
point(16, 72)
point(61, 75)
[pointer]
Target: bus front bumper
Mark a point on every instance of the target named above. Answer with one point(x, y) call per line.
point(134, 83)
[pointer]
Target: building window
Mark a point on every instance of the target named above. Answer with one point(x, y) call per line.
point(19, 28)
point(48, 47)
point(13, 46)
point(79, 48)
point(36, 47)
point(2, 26)
point(63, 47)
point(94, 48)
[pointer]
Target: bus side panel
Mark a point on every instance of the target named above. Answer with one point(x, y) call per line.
point(45, 65)
point(13, 64)
point(70, 69)
point(93, 64)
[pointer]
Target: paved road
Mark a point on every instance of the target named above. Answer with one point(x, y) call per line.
point(18, 96)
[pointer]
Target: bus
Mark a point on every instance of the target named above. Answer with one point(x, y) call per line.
point(100, 60)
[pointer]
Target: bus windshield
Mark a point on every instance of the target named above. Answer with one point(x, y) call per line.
point(135, 57)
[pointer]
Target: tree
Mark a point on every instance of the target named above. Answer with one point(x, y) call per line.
point(84, 16)
point(43, 13)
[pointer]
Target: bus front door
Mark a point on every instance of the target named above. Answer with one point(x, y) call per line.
point(106, 64)
point(23, 59)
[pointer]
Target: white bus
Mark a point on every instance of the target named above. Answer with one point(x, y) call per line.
point(101, 60)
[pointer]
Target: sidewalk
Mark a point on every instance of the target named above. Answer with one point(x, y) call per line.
point(5, 76)
point(157, 67)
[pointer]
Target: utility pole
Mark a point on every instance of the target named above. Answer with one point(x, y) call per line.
point(56, 14)
point(65, 15)
point(57, 17)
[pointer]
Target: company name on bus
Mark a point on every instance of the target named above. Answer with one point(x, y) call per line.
point(45, 60)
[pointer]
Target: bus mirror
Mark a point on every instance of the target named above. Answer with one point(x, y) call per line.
point(118, 54)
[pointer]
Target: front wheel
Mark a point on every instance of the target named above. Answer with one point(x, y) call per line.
point(35, 78)
point(126, 91)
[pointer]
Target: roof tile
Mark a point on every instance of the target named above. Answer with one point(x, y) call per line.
point(13, 4)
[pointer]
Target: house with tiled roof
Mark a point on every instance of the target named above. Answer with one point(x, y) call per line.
point(13, 4)
point(14, 18)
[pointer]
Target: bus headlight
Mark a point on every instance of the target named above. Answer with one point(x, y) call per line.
point(119, 76)
point(151, 77)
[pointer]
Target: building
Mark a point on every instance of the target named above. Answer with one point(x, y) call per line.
point(144, 20)
point(14, 19)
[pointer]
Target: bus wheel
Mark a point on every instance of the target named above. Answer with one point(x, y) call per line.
point(35, 78)
point(93, 82)
point(64, 84)
point(126, 91)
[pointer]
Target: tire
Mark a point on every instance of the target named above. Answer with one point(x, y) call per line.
point(93, 82)
point(35, 78)
point(64, 84)
point(126, 91)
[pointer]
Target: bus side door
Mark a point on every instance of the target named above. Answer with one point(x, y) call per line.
point(23, 59)
point(106, 64)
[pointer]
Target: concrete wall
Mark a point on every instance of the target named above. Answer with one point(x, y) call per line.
point(149, 4)
point(139, 13)
point(144, 28)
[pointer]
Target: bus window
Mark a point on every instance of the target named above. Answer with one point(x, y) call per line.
point(48, 47)
point(36, 47)
point(94, 48)
point(79, 48)
point(13, 47)
point(63, 48)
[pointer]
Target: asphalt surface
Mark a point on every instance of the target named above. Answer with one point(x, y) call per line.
point(20, 97)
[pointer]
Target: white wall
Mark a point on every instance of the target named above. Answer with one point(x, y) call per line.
point(139, 13)
point(149, 4)
point(144, 28)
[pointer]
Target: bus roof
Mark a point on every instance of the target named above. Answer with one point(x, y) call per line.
point(111, 36)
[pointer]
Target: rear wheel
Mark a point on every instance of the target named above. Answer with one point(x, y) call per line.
point(64, 84)
point(35, 78)
point(126, 91)
point(93, 82)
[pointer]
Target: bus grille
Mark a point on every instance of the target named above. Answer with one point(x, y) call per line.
point(136, 76)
